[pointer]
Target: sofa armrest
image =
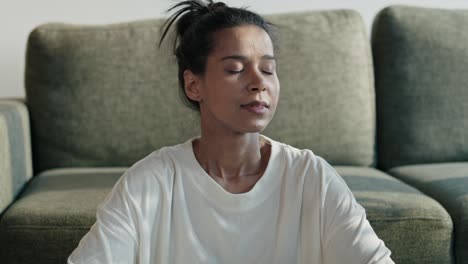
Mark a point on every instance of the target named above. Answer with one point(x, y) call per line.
point(15, 150)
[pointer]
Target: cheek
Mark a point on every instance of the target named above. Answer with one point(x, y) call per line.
point(275, 87)
point(275, 92)
point(223, 93)
point(228, 86)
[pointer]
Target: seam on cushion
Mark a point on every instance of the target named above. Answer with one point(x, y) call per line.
point(88, 227)
point(371, 93)
point(106, 28)
point(43, 227)
point(406, 219)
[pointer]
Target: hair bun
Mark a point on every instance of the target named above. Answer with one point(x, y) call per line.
point(216, 6)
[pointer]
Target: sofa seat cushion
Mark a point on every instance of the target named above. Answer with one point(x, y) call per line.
point(416, 228)
point(448, 184)
point(59, 206)
point(54, 212)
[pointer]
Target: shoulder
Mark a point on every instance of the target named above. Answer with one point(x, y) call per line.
point(315, 172)
point(291, 153)
point(302, 159)
point(159, 162)
point(153, 173)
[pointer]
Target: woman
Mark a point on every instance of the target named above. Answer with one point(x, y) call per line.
point(230, 195)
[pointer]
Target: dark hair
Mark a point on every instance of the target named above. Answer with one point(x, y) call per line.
point(196, 21)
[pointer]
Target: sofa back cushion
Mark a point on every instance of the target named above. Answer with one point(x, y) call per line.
point(421, 62)
point(327, 99)
point(107, 96)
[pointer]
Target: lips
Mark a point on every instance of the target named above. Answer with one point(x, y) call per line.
point(256, 103)
point(257, 107)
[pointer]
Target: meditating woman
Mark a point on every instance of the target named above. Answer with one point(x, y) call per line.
point(230, 195)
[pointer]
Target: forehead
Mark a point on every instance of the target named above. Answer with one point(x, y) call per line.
point(247, 40)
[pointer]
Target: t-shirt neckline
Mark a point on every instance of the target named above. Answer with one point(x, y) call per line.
point(216, 194)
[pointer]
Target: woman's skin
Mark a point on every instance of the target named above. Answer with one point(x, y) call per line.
point(239, 70)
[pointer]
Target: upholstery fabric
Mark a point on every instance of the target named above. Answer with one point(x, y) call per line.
point(57, 209)
point(15, 150)
point(107, 96)
point(327, 86)
point(409, 222)
point(448, 184)
point(102, 95)
point(420, 58)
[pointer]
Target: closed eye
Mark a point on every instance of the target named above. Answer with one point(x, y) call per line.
point(234, 72)
point(268, 72)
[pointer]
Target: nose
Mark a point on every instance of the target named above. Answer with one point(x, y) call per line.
point(257, 82)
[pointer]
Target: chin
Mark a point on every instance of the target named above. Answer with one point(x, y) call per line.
point(255, 128)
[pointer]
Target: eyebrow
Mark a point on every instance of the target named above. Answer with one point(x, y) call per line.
point(244, 58)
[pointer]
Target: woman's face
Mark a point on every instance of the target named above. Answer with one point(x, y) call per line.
point(239, 90)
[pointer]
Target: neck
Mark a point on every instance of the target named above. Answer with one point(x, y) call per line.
point(230, 158)
point(233, 159)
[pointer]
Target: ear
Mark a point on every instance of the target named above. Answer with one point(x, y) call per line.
point(192, 86)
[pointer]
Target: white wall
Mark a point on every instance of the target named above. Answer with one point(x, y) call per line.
point(18, 18)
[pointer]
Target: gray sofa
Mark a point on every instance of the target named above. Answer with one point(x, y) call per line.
point(390, 114)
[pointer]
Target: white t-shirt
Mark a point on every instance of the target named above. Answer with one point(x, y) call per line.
point(167, 209)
